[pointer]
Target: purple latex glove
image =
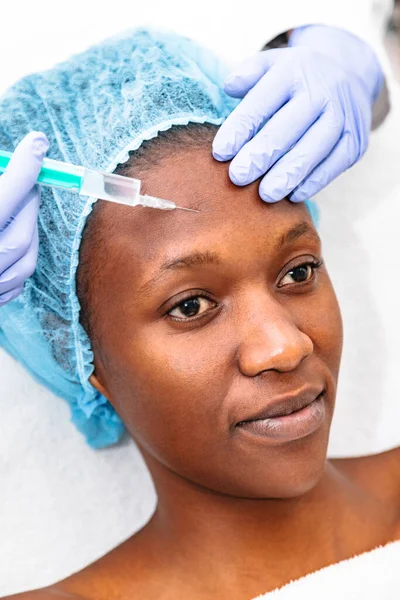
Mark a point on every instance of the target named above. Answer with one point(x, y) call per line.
point(19, 206)
point(305, 116)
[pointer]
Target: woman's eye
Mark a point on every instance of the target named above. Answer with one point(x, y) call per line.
point(191, 307)
point(301, 273)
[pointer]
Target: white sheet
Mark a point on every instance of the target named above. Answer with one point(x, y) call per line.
point(368, 576)
point(63, 505)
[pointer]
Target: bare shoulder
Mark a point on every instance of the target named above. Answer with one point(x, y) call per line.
point(48, 593)
point(97, 581)
point(130, 570)
point(378, 474)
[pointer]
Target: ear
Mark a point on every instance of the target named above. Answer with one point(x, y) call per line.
point(99, 387)
point(96, 379)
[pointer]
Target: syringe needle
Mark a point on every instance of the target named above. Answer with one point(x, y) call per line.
point(154, 202)
point(191, 209)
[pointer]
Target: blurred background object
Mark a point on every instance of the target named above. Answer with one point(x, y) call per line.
point(392, 41)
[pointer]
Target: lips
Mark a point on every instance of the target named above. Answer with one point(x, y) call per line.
point(285, 405)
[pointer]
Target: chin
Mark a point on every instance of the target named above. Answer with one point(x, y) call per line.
point(297, 488)
point(289, 480)
point(286, 487)
point(289, 471)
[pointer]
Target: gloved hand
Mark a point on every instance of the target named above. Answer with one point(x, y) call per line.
point(19, 205)
point(305, 115)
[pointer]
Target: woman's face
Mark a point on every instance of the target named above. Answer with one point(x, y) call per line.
point(205, 319)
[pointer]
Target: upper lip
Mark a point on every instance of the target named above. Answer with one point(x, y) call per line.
point(284, 405)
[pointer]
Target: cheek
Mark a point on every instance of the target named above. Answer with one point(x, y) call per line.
point(322, 321)
point(165, 384)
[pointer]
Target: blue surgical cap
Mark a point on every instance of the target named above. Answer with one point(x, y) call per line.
point(94, 109)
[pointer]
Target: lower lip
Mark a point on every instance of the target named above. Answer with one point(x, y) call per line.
point(290, 427)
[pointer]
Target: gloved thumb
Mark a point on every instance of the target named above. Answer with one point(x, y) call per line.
point(249, 72)
point(21, 173)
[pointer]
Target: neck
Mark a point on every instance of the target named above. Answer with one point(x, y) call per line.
point(222, 537)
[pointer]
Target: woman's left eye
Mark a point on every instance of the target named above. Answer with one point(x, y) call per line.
point(191, 307)
point(302, 273)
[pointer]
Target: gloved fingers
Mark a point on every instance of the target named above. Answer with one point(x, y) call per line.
point(350, 147)
point(16, 275)
point(246, 75)
point(21, 173)
point(8, 296)
point(358, 121)
point(340, 159)
point(276, 138)
point(298, 163)
point(268, 95)
point(16, 239)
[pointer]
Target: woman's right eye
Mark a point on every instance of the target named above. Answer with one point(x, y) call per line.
point(191, 307)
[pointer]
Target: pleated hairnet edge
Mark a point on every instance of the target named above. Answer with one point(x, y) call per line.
point(93, 415)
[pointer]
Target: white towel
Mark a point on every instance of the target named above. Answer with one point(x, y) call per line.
point(373, 575)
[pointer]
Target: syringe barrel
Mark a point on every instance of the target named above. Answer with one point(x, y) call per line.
point(107, 186)
point(53, 173)
point(87, 182)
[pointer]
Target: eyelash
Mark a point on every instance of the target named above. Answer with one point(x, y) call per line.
point(190, 296)
point(314, 264)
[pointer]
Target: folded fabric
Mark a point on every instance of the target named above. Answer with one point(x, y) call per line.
point(373, 575)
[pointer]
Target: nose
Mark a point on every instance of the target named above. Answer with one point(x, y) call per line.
point(272, 341)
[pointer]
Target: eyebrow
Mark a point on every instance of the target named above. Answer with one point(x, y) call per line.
point(181, 262)
point(296, 232)
point(191, 260)
point(206, 258)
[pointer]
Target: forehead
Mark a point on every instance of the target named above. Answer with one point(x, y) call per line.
point(229, 215)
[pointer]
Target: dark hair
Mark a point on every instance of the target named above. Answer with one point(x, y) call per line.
point(148, 156)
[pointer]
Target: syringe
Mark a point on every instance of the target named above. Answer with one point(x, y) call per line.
point(88, 182)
